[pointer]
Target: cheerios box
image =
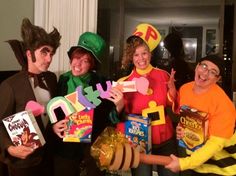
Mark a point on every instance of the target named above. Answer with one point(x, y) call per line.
point(138, 131)
point(195, 125)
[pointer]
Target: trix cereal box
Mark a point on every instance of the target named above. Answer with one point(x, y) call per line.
point(138, 131)
point(79, 127)
point(195, 124)
point(24, 130)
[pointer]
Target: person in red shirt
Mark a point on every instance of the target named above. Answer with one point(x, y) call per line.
point(137, 53)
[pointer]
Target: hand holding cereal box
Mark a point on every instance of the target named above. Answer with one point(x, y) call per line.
point(195, 125)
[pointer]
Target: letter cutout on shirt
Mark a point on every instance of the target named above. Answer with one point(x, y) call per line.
point(77, 101)
point(104, 94)
point(92, 95)
point(82, 99)
point(125, 86)
point(36, 108)
point(59, 103)
point(142, 85)
point(156, 113)
point(73, 99)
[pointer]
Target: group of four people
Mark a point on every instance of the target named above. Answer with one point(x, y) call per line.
point(35, 54)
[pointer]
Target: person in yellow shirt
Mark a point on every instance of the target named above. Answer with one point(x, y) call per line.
point(218, 154)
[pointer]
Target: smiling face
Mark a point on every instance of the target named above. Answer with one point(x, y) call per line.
point(81, 63)
point(206, 74)
point(141, 57)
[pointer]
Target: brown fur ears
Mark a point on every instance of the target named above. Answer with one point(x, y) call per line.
point(35, 36)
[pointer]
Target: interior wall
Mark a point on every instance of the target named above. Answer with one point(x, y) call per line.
point(200, 34)
point(130, 25)
point(11, 14)
point(110, 27)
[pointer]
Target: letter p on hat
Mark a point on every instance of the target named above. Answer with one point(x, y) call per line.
point(149, 34)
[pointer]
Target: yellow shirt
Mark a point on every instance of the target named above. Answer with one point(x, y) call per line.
point(218, 154)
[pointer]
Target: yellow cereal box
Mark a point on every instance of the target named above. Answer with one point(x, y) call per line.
point(195, 124)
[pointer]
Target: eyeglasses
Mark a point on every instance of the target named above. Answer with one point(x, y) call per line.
point(211, 72)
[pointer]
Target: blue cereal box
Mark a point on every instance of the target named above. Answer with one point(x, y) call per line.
point(138, 132)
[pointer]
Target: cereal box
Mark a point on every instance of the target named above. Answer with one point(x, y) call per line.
point(138, 131)
point(79, 127)
point(195, 124)
point(24, 130)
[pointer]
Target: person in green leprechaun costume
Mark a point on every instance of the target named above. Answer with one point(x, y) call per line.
point(72, 158)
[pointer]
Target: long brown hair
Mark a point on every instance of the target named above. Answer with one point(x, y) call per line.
point(131, 44)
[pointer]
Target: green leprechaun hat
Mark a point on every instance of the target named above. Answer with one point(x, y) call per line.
point(91, 42)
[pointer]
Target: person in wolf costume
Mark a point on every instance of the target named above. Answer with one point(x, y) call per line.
point(33, 82)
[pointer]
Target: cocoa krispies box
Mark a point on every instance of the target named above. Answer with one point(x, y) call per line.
point(138, 132)
point(195, 124)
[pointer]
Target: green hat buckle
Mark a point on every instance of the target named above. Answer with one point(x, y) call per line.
point(91, 42)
